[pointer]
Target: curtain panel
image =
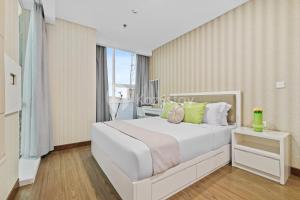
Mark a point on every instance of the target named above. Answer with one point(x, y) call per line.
point(102, 98)
point(141, 94)
point(36, 133)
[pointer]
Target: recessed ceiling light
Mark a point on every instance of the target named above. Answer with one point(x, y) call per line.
point(134, 11)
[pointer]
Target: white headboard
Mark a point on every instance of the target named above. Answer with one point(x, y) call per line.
point(232, 97)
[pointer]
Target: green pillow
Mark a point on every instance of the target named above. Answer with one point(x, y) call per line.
point(193, 112)
point(168, 106)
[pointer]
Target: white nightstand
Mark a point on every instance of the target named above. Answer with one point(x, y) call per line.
point(263, 153)
point(148, 112)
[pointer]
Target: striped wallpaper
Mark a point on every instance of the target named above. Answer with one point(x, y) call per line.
point(72, 77)
point(247, 49)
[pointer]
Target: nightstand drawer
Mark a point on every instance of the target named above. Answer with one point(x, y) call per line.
point(262, 163)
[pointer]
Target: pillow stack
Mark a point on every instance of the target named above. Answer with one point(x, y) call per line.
point(196, 113)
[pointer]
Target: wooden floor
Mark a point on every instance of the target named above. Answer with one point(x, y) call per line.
point(74, 174)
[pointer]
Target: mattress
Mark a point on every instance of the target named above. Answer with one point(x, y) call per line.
point(134, 158)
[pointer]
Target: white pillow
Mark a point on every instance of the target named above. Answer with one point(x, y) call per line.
point(216, 113)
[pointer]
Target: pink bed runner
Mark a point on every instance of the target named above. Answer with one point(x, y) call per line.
point(164, 148)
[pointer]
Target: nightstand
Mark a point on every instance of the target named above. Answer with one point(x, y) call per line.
point(144, 112)
point(266, 154)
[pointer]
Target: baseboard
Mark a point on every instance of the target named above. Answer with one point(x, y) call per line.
point(72, 145)
point(13, 191)
point(295, 171)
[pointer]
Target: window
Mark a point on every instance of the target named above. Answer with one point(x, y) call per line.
point(121, 74)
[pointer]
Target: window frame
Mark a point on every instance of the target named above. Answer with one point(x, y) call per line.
point(113, 78)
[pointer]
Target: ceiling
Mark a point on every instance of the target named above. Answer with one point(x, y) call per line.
point(156, 22)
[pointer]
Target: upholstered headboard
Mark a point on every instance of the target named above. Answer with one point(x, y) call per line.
point(231, 97)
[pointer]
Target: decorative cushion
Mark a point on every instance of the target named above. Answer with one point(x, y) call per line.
point(168, 106)
point(176, 115)
point(216, 113)
point(193, 112)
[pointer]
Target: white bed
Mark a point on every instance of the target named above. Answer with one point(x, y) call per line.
point(134, 158)
point(128, 165)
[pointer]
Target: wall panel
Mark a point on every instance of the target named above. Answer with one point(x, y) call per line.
point(9, 168)
point(2, 77)
point(9, 172)
point(12, 29)
point(247, 49)
point(2, 18)
point(2, 22)
point(2, 83)
point(2, 139)
point(72, 76)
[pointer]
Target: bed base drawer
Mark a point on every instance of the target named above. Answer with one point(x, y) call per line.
point(172, 183)
point(206, 166)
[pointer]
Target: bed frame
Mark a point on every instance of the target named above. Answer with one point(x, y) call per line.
point(166, 184)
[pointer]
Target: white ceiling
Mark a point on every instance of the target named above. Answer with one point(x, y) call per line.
point(157, 21)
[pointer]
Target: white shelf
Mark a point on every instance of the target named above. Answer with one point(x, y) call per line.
point(267, 134)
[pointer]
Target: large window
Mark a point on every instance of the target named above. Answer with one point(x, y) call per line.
point(121, 73)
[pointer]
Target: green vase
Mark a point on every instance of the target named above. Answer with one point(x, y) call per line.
point(258, 121)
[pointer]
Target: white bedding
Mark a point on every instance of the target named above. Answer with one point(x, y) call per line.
point(134, 158)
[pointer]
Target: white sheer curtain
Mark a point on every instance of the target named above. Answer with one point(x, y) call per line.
point(36, 134)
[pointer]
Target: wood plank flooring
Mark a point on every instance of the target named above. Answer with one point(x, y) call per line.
point(74, 174)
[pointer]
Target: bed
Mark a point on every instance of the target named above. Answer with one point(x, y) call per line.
point(203, 149)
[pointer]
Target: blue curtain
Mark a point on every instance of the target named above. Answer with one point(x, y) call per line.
point(36, 134)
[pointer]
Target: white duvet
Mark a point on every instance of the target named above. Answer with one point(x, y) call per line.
point(134, 158)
